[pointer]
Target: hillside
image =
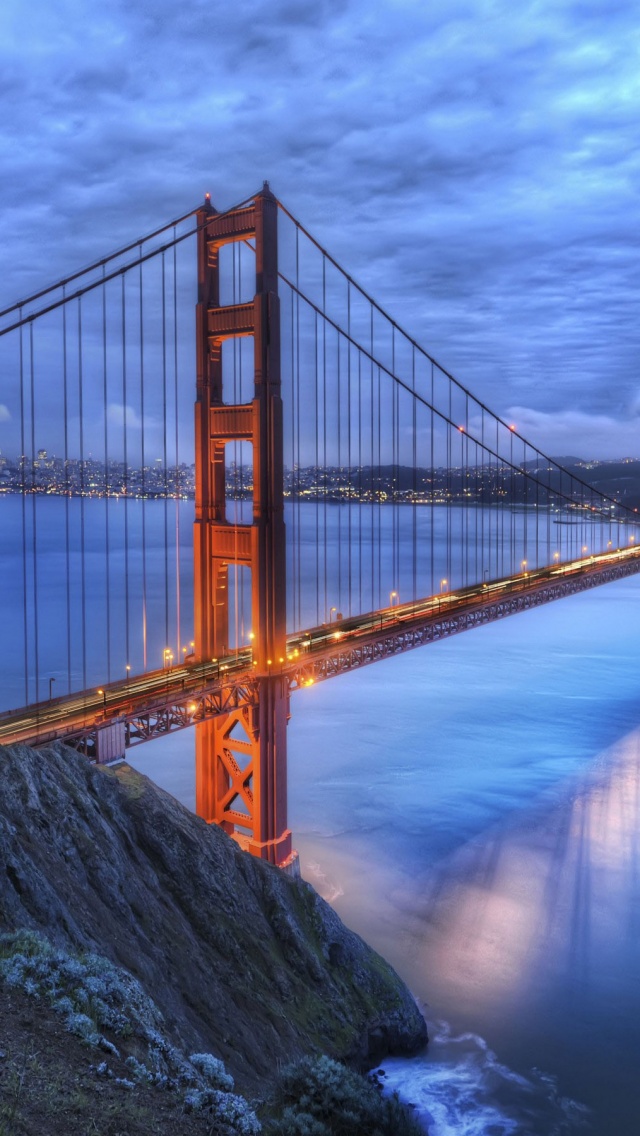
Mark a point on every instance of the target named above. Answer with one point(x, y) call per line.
point(242, 961)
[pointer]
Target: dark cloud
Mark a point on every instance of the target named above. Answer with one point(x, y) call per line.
point(474, 163)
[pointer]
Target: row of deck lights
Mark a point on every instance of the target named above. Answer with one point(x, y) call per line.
point(394, 600)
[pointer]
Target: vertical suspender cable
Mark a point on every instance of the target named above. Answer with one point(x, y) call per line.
point(339, 415)
point(379, 542)
point(295, 487)
point(360, 501)
point(23, 499)
point(67, 491)
point(237, 449)
point(432, 587)
point(241, 399)
point(125, 486)
point(414, 483)
point(143, 462)
point(177, 486)
point(394, 467)
point(165, 459)
point(372, 494)
point(34, 511)
point(295, 316)
point(449, 488)
point(348, 480)
point(107, 487)
point(83, 564)
point(485, 491)
point(512, 511)
point(324, 424)
point(317, 462)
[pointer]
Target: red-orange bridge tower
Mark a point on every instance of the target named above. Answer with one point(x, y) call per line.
point(241, 772)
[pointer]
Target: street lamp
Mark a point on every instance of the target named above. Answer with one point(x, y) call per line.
point(443, 585)
point(51, 682)
point(393, 597)
point(331, 613)
point(128, 670)
point(104, 697)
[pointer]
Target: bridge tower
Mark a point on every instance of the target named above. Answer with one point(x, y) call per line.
point(241, 781)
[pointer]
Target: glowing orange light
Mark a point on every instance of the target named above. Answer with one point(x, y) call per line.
point(191, 707)
point(511, 426)
point(461, 429)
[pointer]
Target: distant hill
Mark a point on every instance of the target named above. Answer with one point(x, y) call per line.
point(617, 479)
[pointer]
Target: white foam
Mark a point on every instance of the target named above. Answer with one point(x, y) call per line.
point(459, 1088)
point(325, 887)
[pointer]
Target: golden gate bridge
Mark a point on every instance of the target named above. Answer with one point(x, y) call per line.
point(351, 500)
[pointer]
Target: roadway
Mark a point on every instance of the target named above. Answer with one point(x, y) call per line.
point(399, 626)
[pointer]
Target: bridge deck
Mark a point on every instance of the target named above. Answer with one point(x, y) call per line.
point(160, 702)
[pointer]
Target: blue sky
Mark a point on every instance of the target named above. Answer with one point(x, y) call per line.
point(474, 164)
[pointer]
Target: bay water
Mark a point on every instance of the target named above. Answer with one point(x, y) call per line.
point(473, 810)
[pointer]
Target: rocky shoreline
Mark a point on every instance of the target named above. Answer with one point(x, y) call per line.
point(241, 960)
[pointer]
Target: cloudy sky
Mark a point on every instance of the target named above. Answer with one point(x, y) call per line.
point(474, 163)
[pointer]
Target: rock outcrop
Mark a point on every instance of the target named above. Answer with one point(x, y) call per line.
point(243, 961)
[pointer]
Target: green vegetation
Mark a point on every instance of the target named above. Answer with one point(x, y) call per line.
point(319, 1097)
point(108, 1011)
point(95, 998)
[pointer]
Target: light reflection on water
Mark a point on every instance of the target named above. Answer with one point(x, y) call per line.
point(536, 926)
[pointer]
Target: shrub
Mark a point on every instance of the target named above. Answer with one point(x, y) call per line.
point(92, 994)
point(212, 1071)
point(319, 1097)
point(232, 1116)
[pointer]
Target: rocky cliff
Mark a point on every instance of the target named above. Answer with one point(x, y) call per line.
point(243, 961)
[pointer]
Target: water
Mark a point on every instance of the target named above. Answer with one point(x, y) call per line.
point(472, 809)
